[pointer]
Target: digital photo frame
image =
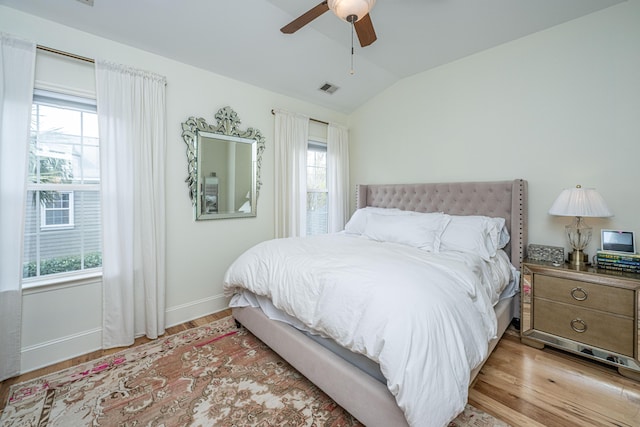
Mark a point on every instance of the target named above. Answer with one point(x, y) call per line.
point(618, 241)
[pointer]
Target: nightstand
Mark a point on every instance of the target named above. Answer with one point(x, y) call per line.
point(591, 312)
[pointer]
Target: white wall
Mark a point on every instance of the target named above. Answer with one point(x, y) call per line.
point(60, 323)
point(557, 108)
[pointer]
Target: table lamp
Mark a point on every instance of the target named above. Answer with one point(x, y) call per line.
point(579, 203)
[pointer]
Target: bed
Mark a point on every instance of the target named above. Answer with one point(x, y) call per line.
point(358, 373)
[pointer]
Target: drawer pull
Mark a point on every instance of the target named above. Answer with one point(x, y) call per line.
point(579, 325)
point(579, 294)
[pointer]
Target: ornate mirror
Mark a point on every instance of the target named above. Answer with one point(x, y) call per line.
point(223, 165)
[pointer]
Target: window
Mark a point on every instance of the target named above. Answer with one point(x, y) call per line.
point(62, 225)
point(317, 194)
point(57, 210)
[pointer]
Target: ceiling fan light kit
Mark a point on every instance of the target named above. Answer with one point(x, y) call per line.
point(347, 9)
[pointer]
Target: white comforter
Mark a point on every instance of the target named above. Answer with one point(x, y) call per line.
point(426, 318)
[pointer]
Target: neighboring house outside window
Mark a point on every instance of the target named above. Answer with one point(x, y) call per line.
point(62, 225)
point(317, 194)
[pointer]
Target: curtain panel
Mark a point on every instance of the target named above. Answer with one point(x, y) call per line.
point(131, 119)
point(338, 176)
point(17, 68)
point(291, 139)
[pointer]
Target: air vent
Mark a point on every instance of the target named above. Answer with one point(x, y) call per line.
point(87, 2)
point(329, 88)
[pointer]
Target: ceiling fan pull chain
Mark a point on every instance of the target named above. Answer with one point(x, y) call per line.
point(352, 71)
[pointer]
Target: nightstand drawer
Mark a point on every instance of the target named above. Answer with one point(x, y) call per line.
point(605, 298)
point(608, 332)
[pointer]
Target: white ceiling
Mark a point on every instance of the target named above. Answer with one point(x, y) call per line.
point(241, 38)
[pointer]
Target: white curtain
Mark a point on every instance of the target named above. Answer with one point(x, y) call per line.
point(291, 139)
point(131, 119)
point(17, 67)
point(338, 176)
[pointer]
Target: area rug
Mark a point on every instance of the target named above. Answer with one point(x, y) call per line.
point(213, 375)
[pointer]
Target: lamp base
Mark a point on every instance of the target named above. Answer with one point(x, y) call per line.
point(578, 259)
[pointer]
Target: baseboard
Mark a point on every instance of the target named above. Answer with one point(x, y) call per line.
point(64, 348)
point(195, 309)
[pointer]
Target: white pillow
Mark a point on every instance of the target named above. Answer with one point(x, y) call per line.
point(476, 234)
point(358, 220)
point(421, 230)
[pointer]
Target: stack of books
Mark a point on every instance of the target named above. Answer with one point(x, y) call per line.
point(628, 263)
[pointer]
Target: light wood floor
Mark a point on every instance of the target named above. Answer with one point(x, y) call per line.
point(524, 386)
point(520, 385)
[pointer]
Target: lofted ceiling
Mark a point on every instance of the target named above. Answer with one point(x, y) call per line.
point(241, 38)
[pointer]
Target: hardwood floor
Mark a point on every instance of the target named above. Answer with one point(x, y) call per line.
point(524, 386)
point(518, 384)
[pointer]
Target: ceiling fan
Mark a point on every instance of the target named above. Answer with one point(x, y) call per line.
point(355, 12)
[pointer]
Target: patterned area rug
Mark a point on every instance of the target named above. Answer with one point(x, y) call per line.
point(214, 375)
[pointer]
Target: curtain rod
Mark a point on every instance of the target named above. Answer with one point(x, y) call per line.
point(310, 118)
point(67, 54)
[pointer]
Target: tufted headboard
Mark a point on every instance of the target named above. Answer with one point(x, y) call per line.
point(506, 199)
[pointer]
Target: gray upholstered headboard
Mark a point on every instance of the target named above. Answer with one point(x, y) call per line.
point(506, 199)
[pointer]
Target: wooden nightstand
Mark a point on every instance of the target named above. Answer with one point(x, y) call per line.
point(591, 312)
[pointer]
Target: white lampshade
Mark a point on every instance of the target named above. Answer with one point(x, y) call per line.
point(345, 8)
point(582, 202)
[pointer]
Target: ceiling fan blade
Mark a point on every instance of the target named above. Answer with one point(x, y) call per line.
point(305, 18)
point(365, 31)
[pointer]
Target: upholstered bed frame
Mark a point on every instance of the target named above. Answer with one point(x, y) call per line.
point(364, 397)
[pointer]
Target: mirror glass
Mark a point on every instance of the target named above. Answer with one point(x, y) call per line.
point(226, 175)
point(224, 166)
